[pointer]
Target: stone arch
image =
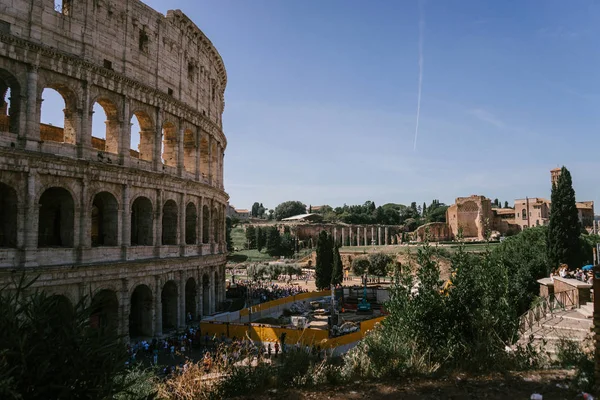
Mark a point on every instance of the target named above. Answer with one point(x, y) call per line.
point(169, 223)
point(204, 157)
point(105, 220)
point(205, 294)
point(142, 222)
point(64, 307)
point(56, 218)
point(169, 301)
point(190, 150)
point(10, 102)
point(105, 311)
point(205, 224)
point(140, 314)
point(8, 216)
point(142, 142)
point(108, 139)
point(50, 127)
point(190, 299)
point(169, 144)
point(191, 216)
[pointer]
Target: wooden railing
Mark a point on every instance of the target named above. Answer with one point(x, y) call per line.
point(547, 305)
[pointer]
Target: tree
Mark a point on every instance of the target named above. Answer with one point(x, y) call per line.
point(324, 265)
point(273, 241)
point(564, 228)
point(261, 238)
point(254, 211)
point(506, 204)
point(413, 207)
point(261, 211)
point(361, 266)
point(289, 209)
point(379, 264)
point(228, 226)
point(251, 237)
point(496, 203)
point(310, 209)
point(424, 209)
point(337, 274)
point(271, 215)
point(50, 351)
point(287, 245)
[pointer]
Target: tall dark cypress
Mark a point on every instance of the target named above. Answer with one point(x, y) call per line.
point(324, 265)
point(337, 274)
point(563, 244)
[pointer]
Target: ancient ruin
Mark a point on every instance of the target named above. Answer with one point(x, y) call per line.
point(139, 233)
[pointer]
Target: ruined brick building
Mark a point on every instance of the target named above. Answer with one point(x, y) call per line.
point(138, 232)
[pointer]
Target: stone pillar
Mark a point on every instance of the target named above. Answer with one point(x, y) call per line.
point(125, 223)
point(212, 301)
point(379, 236)
point(85, 222)
point(158, 223)
point(373, 235)
point(199, 227)
point(31, 220)
point(343, 237)
point(157, 306)
point(200, 303)
point(124, 309)
point(386, 229)
point(157, 157)
point(358, 236)
point(351, 234)
point(125, 126)
point(181, 222)
point(180, 155)
point(197, 138)
point(335, 236)
point(84, 128)
point(181, 317)
point(29, 132)
point(210, 166)
point(211, 227)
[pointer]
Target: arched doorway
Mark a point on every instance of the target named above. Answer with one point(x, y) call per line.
point(140, 314)
point(169, 306)
point(141, 222)
point(105, 126)
point(190, 223)
point(8, 216)
point(104, 220)
point(205, 295)
point(10, 102)
point(55, 127)
point(60, 310)
point(56, 218)
point(142, 136)
point(169, 223)
point(190, 299)
point(105, 311)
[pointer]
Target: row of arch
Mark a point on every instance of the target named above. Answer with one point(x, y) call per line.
point(150, 313)
point(141, 133)
point(56, 219)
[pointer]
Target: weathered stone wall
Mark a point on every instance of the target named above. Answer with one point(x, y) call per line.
point(93, 218)
point(348, 235)
point(473, 215)
point(437, 232)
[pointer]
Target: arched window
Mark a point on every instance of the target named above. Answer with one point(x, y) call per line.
point(105, 126)
point(54, 126)
point(169, 223)
point(141, 222)
point(56, 218)
point(9, 103)
point(142, 137)
point(104, 220)
point(205, 224)
point(8, 216)
point(524, 213)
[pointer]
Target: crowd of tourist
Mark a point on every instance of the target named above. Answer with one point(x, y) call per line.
point(579, 274)
point(272, 291)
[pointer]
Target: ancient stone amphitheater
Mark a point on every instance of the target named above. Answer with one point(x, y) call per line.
point(138, 232)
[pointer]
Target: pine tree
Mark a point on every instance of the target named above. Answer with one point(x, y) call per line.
point(506, 204)
point(337, 275)
point(324, 265)
point(424, 209)
point(563, 243)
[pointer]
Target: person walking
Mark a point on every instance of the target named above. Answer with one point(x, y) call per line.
point(276, 348)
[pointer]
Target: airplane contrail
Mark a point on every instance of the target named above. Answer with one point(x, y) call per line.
point(421, 29)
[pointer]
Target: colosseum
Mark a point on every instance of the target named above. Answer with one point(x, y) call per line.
point(138, 233)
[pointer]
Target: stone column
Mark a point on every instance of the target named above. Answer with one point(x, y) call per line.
point(372, 235)
point(181, 302)
point(85, 222)
point(29, 131)
point(200, 294)
point(198, 175)
point(386, 229)
point(157, 306)
point(211, 227)
point(31, 220)
point(210, 166)
point(84, 128)
point(180, 155)
point(212, 284)
point(200, 223)
point(343, 237)
point(157, 157)
point(125, 125)
point(379, 236)
point(158, 223)
point(124, 308)
point(125, 223)
point(335, 236)
point(358, 236)
point(350, 233)
point(181, 221)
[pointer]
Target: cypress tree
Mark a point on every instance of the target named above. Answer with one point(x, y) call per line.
point(273, 244)
point(562, 242)
point(260, 238)
point(251, 237)
point(337, 275)
point(324, 264)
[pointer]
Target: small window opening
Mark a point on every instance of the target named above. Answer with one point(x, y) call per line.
point(107, 64)
point(4, 27)
point(143, 42)
point(204, 112)
point(63, 6)
point(213, 92)
point(170, 91)
point(191, 72)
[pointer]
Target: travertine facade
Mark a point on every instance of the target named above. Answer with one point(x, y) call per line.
point(141, 232)
point(475, 216)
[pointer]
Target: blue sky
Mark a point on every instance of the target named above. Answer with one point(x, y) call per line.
point(322, 97)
